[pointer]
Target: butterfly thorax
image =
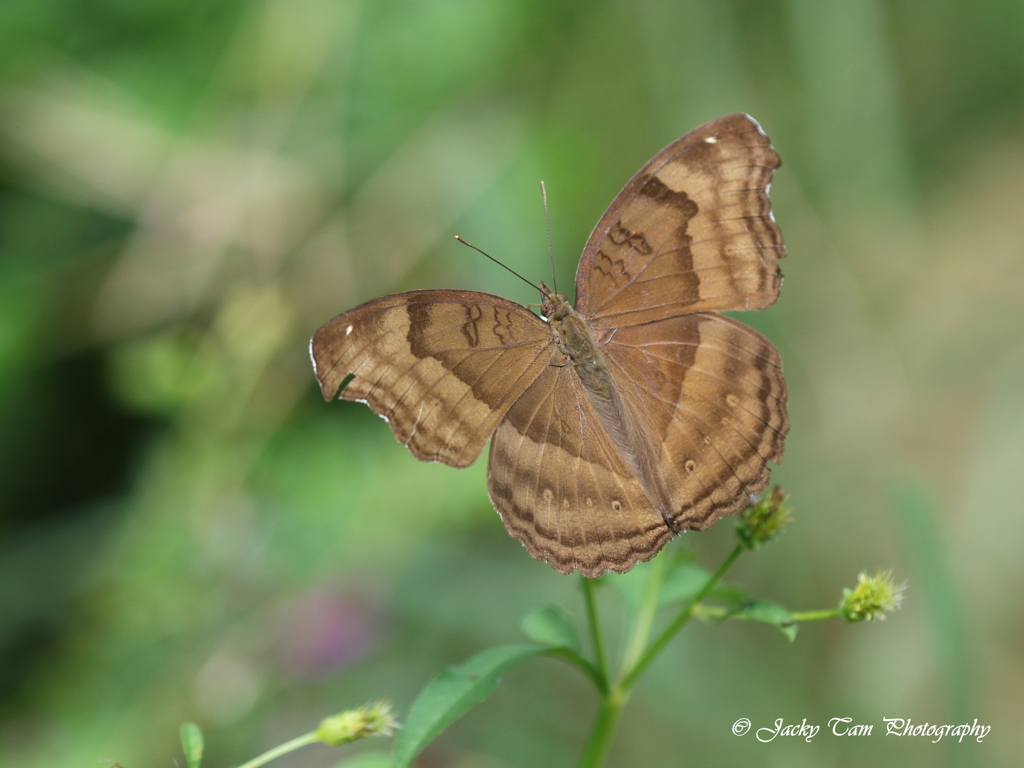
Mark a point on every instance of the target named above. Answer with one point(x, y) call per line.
point(576, 341)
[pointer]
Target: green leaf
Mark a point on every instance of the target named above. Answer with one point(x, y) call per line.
point(192, 744)
point(632, 585)
point(687, 579)
point(553, 627)
point(684, 581)
point(451, 694)
point(366, 760)
point(729, 593)
point(769, 613)
point(682, 578)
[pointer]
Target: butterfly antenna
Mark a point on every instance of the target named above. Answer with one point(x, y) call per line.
point(547, 223)
point(498, 263)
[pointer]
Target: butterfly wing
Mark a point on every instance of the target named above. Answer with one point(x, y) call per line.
point(442, 367)
point(564, 489)
point(710, 400)
point(691, 232)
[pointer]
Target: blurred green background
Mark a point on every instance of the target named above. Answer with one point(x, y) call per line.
point(187, 531)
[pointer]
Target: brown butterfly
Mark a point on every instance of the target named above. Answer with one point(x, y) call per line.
point(638, 414)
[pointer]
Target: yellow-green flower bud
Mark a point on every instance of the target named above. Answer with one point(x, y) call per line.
point(350, 725)
point(872, 598)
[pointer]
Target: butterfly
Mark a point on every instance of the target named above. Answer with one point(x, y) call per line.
point(617, 423)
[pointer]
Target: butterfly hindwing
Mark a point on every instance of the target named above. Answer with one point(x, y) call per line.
point(711, 401)
point(563, 488)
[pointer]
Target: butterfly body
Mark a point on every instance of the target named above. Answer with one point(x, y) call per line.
point(634, 415)
point(575, 339)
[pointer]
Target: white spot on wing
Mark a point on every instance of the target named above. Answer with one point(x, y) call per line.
point(711, 140)
point(348, 330)
point(313, 359)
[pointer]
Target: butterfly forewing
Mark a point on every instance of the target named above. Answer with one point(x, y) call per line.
point(442, 367)
point(691, 232)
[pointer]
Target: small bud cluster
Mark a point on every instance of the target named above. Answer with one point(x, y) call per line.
point(762, 521)
point(350, 725)
point(872, 598)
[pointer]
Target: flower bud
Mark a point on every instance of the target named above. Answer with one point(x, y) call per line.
point(762, 520)
point(352, 724)
point(872, 598)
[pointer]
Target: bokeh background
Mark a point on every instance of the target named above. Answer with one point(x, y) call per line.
point(188, 532)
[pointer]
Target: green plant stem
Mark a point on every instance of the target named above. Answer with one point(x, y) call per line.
point(282, 749)
point(614, 699)
point(720, 613)
point(827, 613)
point(603, 730)
point(669, 632)
point(600, 661)
point(636, 659)
point(645, 616)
